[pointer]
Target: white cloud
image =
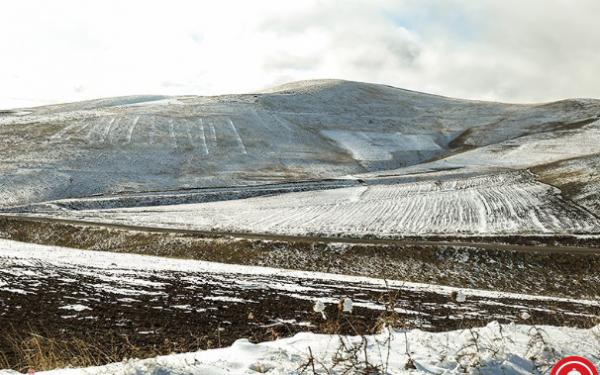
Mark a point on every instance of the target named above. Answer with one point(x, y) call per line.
point(501, 50)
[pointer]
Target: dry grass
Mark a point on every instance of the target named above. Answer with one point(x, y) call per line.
point(351, 357)
point(34, 351)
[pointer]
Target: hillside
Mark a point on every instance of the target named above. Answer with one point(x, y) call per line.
point(300, 131)
point(150, 225)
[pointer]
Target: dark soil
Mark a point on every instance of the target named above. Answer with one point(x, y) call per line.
point(532, 270)
point(142, 314)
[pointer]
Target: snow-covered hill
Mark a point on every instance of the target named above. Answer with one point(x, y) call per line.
point(304, 130)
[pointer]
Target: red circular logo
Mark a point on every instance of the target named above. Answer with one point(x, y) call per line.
point(574, 365)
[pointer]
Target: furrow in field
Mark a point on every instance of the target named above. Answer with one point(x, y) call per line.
point(509, 204)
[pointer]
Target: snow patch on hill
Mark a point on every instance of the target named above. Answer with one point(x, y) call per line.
point(373, 146)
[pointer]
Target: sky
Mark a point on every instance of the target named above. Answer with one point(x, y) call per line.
point(503, 50)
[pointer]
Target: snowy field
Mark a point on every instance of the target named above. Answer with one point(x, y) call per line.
point(494, 349)
point(33, 254)
point(502, 203)
point(150, 299)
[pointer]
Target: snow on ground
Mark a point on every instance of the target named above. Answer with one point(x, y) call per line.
point(307, 130)
point(120, 263)
point(101, 281)
point(502, 203)
point(534, 149)
point(71, 280)
point(579, 178)
point(519, 153)
point(494, 349)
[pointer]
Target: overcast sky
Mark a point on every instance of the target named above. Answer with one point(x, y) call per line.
point(517, 51)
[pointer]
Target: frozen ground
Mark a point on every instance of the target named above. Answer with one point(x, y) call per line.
point(180, 196)
point(493, 349)
point(27, 267)
point(61, 292)
point(500, 203)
